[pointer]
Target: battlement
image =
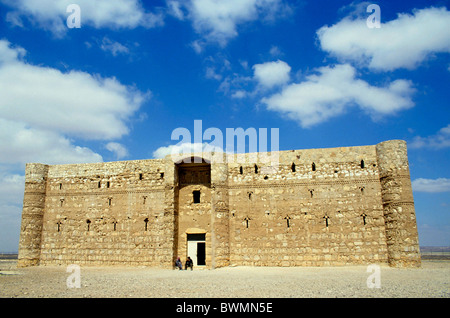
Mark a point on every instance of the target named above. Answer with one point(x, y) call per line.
point(315, 207)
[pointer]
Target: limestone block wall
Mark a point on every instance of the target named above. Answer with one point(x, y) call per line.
point(317, 207)
point(109, 213)
point(320, 207)
point(194, 218)
point(220, 214)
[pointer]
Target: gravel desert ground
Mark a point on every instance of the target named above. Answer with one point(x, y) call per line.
point(432, 280)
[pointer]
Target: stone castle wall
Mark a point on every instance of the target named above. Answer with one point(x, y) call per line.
point(337, 206)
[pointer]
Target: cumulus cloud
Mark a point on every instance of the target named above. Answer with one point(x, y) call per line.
point(42, 108)
point(332, 91)
point(20, 144)
point(431, 185)
point(401, 43)
point(218, 20)
point(438, 141)
point(272, 74)
point(75, 103)
point(51, 14)
point(118, 149)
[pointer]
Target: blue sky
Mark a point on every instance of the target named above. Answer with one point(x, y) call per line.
point(118, 86)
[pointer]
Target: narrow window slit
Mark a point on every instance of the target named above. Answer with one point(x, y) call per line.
point(241, 171)
point(88, 224)
point(146, 223)
point(362, 164)
point(364, 218)
point(246, 221)
point(287, 218)
point(326, 217)
point(293, 167)
point(313, 166)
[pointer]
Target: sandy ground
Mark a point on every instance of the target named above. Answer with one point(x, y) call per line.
point(430, 281)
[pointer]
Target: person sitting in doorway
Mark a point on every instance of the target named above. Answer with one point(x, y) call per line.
point(179, 264)
point(189, 263)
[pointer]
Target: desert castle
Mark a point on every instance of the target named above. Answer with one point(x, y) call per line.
point(319, 207)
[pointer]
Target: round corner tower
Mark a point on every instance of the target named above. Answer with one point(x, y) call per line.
point(398, 204)
point(32, 214)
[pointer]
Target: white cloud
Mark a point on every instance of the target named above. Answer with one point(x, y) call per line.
point(51, 14)
point(239, 94)
point(401, 43)
point(271, 74)
point(175, 9)
point(275, 51)
point(211, 74)
point(118, 149)
point(11, 188)
point(431, 185)
point(20, 144)
point(115, 48)
point(74, 103)
point(41, 109)
point(198, 46)
point(218, 20)
point(335, 89)
point(185, 148)
point(438, 141)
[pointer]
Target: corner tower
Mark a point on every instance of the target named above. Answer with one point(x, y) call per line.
point(398, 204)
point(32, 214)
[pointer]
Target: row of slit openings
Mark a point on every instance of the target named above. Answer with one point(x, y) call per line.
point(293, 167)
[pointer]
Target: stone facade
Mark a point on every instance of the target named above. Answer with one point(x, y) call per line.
point(320, 207)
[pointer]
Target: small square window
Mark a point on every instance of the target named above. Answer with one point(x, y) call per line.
point(196, 195)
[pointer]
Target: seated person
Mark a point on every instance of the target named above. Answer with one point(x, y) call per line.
point(189, 263)
point(178, 264)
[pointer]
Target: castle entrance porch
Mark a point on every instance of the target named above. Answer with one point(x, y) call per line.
point(194, 218)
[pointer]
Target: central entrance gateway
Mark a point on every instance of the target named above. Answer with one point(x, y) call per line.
point(196, 248)
point(193, 199)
